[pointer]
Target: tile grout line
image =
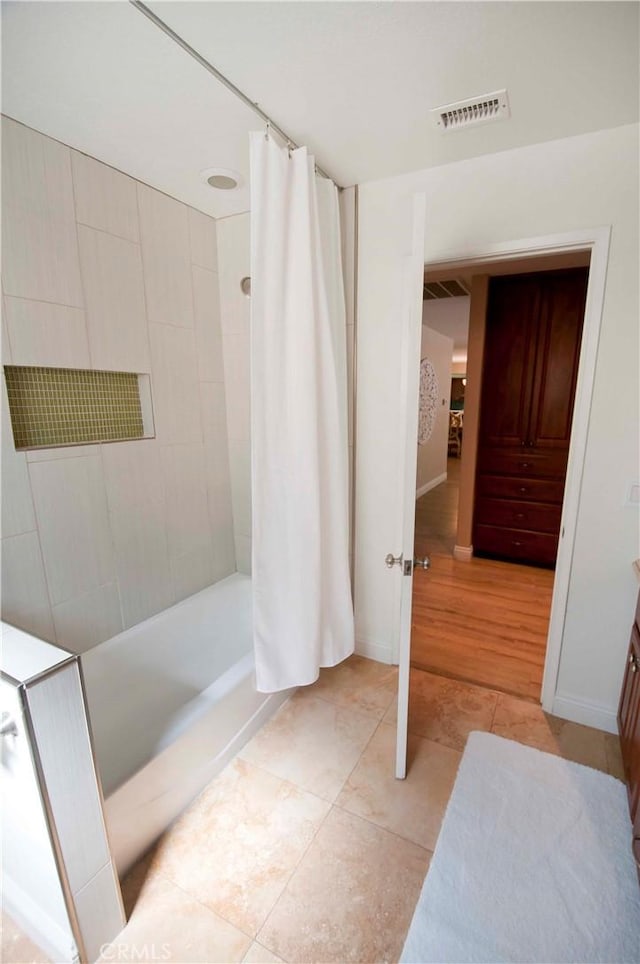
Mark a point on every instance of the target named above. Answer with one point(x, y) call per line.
point(332, 805)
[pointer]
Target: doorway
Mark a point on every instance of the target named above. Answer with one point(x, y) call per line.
point(480, 620)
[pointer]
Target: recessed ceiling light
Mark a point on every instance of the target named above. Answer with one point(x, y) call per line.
point(221, 179)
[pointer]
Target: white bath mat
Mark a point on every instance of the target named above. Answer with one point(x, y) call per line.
point(533, 863)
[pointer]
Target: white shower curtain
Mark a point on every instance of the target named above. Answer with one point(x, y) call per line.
point(302, 609)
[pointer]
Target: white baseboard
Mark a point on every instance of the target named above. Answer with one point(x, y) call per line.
point(589, 714)
point(463, 553)
point(431, 485)
point(381, 654)
point(43, 930)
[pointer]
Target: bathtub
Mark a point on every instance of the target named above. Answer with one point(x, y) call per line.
point(171, 700)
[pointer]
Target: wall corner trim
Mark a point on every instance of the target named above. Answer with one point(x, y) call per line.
point(431, 485)
point(582, 711)
point(381, 654)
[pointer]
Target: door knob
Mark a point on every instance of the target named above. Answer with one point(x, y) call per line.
point(423, 563)
point(390, 560)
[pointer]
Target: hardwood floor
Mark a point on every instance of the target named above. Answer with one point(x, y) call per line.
point(482, 621)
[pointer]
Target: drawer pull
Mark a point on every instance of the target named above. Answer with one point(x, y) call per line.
point(516, 543)
point(525, 465)
point(523, 488)
point(633, 663)
point(520, 515)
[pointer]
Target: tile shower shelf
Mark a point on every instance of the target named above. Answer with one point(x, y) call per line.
point(70, 406)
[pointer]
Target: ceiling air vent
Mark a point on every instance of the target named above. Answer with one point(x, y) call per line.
point(471, 112)
point(456, 288)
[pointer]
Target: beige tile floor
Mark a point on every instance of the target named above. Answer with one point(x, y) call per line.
point(305, 848)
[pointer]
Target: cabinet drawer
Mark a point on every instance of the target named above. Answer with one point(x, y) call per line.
point(530, 490)
point(524, 463)
point(521, 544)
point(515, 514)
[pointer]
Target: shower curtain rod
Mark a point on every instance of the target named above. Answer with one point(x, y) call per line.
point(142, 7)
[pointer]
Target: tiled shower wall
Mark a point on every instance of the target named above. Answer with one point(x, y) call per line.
point(103, 272)
point(234, 259)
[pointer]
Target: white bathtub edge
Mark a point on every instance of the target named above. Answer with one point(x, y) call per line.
point(130, 837)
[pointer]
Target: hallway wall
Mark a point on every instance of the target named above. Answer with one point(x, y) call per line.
point(432, 456)
point(579, 182)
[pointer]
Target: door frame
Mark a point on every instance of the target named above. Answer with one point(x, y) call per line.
point(595, 241)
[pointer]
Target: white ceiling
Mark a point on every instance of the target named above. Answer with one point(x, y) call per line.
point(354, 81)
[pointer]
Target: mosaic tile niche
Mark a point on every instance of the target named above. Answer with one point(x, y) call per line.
point(65, 406)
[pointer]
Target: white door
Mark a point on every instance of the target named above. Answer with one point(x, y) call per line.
point(413, 279)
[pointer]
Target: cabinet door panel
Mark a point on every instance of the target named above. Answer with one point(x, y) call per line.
point(629, 722)
point(508, 361)
point(556, 370)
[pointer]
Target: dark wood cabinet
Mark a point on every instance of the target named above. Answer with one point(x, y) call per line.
point(629, 730)
point(532, 348)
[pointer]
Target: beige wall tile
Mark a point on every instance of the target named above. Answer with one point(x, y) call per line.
point(207, 321)
point(71, 509)
point(240, 472)
point(243, 554)
point(174, 384)
point(105, 198)
point(53, 336)
point(202, 234)
point(6, 346)
point(193, 571)
point(186, 506)
point(164, 231)
point(65, 452)
point(220, 514)
point(214, 414)
point(25, 599)
point(217, 477)
point(17, 506)
point(234, 263)
point(237, 370)
point(351, 898)
point(114, 291)
point(87, 620)
point(40, 250)
point(135, 493)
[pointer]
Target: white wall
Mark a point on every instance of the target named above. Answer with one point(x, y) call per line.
point(432, 456)
point(579, 182)
point(449, 316)
point(100, 271)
